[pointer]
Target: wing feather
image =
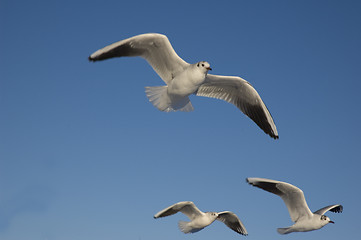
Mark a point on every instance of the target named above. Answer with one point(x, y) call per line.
point(336, 208)
point(153, 47)
point(232, 221)
point(239, 92)
point(187, 208)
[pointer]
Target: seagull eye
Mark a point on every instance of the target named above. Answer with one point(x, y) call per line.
point(202, 65)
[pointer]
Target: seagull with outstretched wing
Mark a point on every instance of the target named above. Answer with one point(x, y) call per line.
point(183, 79)
point(200, 220)
point(295, 201)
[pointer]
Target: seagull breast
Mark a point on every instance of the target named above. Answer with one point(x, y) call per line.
point(186, 82)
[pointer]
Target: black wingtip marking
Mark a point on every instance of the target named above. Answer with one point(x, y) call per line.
point(125, 50)
point(337, 209)
point(257, 114)
point(267, 186)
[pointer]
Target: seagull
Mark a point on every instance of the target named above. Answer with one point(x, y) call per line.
point(183, 79)
point(200, 220)
point(295, 201)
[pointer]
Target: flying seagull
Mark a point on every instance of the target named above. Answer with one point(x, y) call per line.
point(183, 79)
point(200, 220)
point(295, 201)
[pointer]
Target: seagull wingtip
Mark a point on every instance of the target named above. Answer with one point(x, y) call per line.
point(275, 137)
point(91, 59)
point(249, 181)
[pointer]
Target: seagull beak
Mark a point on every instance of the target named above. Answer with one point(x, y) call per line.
point(331, 222)
point(209, 68)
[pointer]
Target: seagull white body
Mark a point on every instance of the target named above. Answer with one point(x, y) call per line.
point(183, 79)
point(295, 201)
point(174, 96)
point(200, 220)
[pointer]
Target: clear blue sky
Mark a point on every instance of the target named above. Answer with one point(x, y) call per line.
point(84, 155)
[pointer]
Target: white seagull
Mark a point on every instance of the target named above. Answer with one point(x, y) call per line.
point(295, 201)
point(183, 79)
point(200, 220)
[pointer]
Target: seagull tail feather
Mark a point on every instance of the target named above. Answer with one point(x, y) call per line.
point(184, 227)
point(158, 96)
point(284, 230)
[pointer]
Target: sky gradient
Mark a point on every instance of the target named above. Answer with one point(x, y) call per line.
point(85, 155)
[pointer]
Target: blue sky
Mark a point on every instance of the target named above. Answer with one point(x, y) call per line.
point(84, 155)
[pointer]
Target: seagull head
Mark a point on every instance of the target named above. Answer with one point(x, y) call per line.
point(204, 65)
point(212, 215)
point(325, 220)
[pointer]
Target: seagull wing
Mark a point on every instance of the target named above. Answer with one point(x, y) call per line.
point(188, 208)
point(337, 208)
point(239, 92)
point(153, 47)
point(232, 221)
point(291, 195)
